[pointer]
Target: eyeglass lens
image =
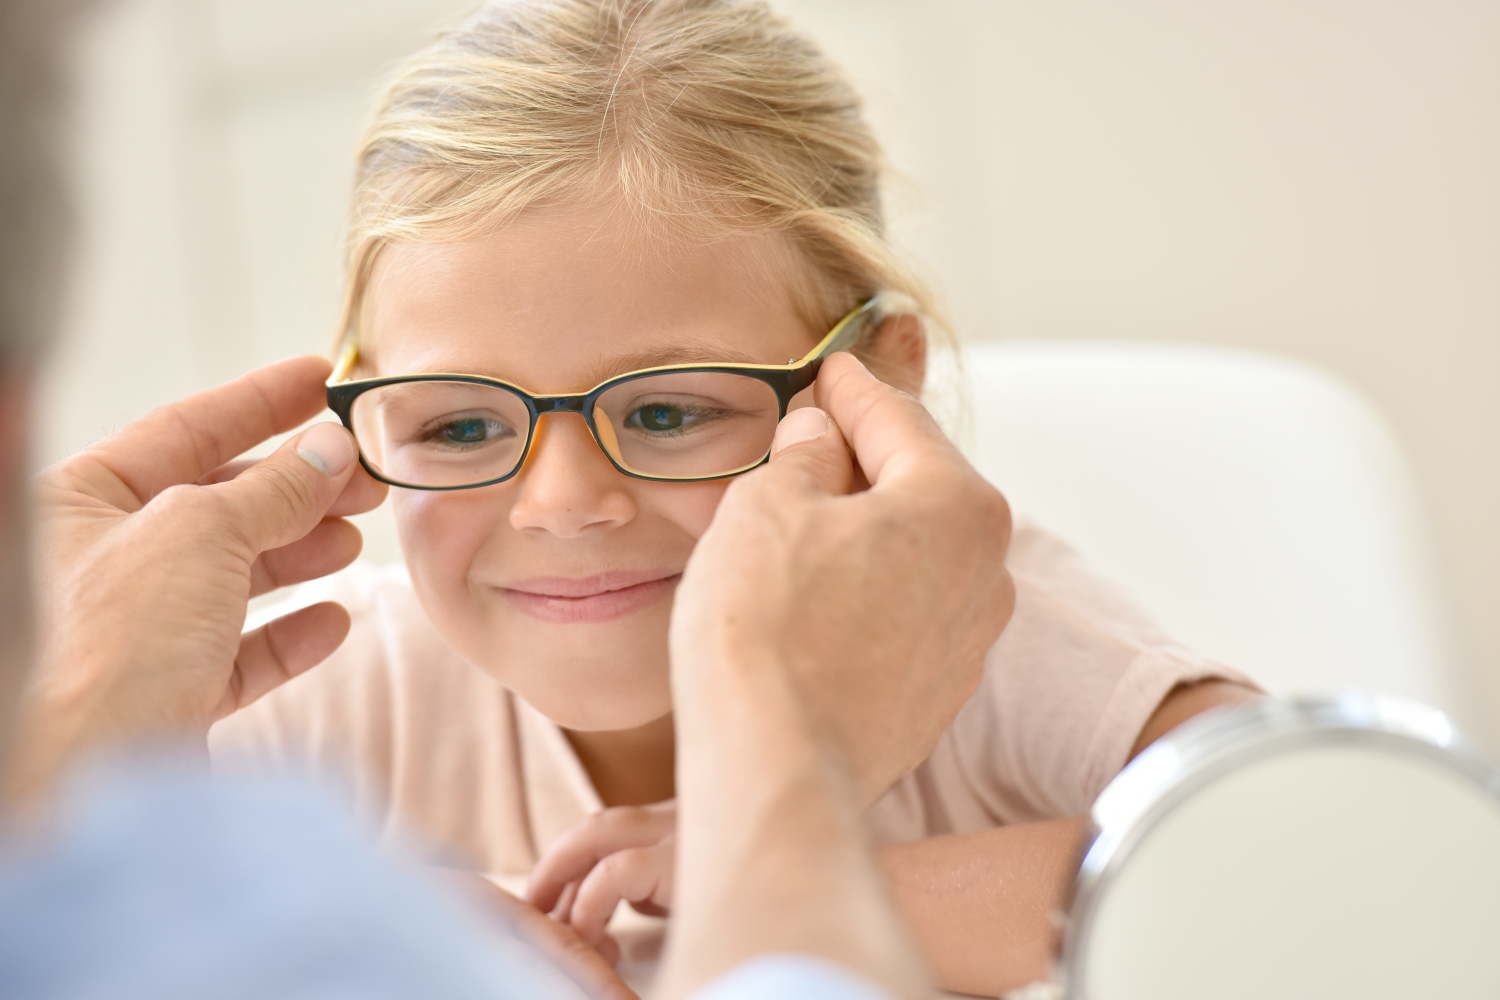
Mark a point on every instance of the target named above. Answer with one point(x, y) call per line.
point(676, 425)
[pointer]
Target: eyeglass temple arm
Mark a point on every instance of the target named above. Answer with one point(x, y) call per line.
point(348, 355)
point(843, 336)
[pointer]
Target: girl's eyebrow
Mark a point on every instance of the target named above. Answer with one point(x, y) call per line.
point(676, 354)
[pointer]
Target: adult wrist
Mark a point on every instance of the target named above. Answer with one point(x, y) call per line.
point(65, 716)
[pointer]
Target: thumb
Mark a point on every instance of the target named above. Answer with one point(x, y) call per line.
point(809, 442)
point(283, 497)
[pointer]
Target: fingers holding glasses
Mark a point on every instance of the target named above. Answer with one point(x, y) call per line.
point(810, 448)
point(882, 424)
point(328, 548)
point(363, 492)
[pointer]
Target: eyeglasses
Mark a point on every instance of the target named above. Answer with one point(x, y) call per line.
point(677, 423)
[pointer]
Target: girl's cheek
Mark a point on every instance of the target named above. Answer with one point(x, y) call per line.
point(441, 532)
point(690, 506)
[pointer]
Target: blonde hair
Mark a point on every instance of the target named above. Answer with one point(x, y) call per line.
point(692, 110)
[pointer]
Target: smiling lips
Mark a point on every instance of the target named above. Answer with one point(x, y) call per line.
point(568, 600)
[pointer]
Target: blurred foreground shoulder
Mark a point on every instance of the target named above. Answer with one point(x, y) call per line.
point(157, 883)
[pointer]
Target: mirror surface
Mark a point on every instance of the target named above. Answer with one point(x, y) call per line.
point(1340, 848)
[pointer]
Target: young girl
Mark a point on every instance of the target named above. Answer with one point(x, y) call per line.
point(560, 193)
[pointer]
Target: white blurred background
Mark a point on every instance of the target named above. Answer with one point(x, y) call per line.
point(1313, 178)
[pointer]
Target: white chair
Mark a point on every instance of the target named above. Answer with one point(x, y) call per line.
point(1259, 509)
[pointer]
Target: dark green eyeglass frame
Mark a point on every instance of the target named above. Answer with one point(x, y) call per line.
point(787, 380)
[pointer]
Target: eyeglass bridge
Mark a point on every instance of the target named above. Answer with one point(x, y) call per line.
point(559, 404)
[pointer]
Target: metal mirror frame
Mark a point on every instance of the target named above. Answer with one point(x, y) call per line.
point(1190, 757)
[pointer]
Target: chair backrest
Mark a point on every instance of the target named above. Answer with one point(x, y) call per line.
point(1259, 509)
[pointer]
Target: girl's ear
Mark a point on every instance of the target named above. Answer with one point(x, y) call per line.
point(897, 354)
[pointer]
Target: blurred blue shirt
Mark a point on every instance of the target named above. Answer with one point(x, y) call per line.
point(157, 884)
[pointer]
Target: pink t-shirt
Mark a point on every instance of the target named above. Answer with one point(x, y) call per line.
point(438, 753)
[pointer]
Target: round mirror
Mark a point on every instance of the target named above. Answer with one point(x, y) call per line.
point(1345, 847)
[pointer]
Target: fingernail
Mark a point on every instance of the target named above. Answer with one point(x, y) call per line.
point(327, 448)
point(806, 424)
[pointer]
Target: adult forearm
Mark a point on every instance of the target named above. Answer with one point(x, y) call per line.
point(772, 855)
point(981, 904)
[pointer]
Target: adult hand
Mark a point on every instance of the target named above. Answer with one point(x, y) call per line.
point(821, 642)
point(880, 605)
point(152, 542)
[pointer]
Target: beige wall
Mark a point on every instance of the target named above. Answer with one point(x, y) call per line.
point(1309, 177)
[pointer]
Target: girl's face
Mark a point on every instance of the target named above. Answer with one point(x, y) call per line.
point(559, 581)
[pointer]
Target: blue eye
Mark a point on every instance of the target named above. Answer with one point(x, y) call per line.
point(663, 420)
point(471, 430)
point(659, 417)
point(466, 432)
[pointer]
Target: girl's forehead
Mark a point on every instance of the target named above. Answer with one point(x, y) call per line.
point(557, 299)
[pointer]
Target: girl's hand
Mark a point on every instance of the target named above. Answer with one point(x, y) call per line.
point(628, 852)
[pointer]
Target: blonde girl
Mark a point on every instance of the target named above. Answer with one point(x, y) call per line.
point(595, 250)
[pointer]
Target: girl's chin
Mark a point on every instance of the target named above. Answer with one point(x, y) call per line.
point(587, 692)
point(596, 715)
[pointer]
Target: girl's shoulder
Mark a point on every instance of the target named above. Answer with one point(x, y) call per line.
point(1066, 691)
point(1041, 560)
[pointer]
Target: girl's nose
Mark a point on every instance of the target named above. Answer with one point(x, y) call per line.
point(567, 486)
